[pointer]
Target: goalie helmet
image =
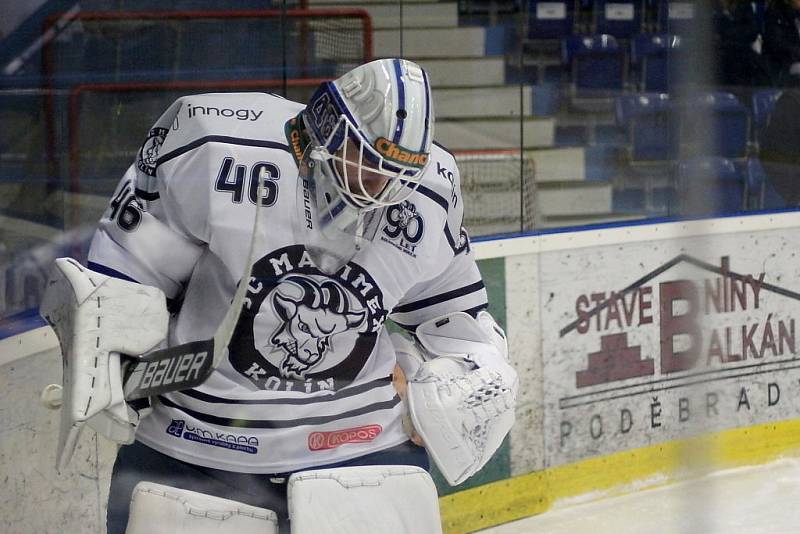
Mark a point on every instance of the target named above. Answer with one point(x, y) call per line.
point(372, 130)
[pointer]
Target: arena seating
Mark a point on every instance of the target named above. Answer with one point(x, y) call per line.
point(596, 64)
point(550, 19)
point(603, 49)
point(651, 125)
point(677, 16)
point(653, 57)
point(715, 123)
point(620, 18)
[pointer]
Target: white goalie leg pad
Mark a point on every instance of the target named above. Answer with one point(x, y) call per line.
point(364, 500)
point(97, 317)
point(461, 400)
point(159, 509)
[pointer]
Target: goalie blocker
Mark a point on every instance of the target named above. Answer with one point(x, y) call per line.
point(461, 390)
point(91, 315)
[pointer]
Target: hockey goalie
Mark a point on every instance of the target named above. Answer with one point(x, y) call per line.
point(285, 235)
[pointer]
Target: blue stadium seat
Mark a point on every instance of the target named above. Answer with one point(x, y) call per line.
point(620, 18)
point(597, 65)
point(652, 126)
point(551, 19)
point(677, 16)
point(716, 124)
point(763, 104)
point(653, 60)
point(710, 186)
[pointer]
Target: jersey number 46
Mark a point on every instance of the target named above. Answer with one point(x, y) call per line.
point(234, 182)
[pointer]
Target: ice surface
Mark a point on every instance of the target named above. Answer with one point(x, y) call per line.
point(752, 500)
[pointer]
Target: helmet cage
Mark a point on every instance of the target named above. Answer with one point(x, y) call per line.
point(331, 125)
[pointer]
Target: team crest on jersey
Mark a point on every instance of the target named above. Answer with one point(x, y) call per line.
point(148, 153)
point(404, 227)
point(311, 312)
point(302, 330)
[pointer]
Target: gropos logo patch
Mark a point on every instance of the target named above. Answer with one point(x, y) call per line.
point(320, 441)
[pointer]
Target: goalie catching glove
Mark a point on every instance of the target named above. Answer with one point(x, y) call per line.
point(97, 318)
point(461, 390)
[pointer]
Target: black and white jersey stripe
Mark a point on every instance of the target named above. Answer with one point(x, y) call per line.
point(298, 419)
point(286, 411)
point(470, 298)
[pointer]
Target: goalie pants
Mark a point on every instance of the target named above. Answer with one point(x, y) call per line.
point(139, 462)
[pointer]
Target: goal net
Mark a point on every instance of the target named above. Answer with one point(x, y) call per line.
point(498, 187)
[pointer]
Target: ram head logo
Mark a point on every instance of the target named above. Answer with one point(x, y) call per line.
point(310, 313)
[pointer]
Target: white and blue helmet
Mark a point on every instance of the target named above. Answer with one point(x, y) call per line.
point(385, 108)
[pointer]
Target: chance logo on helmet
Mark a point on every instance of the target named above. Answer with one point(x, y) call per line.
point(399, 154)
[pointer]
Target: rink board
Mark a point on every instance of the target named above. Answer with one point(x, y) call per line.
point(630, 341)
point(601, 325)
point(637, 335)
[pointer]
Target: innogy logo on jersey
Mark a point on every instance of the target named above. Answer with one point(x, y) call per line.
point(239, 114)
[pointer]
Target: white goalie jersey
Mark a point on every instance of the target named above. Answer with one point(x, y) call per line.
point(308, 378)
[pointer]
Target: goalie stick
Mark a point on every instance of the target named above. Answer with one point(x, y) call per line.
point(189, 364)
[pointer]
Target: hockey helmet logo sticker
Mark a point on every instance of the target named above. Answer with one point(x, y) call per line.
point(303, 330)
point(394, 152)
point(312, 313)
point(148, 153)
point(324, 114)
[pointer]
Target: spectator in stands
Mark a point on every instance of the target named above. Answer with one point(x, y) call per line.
point(782, 41)
point(737, 37)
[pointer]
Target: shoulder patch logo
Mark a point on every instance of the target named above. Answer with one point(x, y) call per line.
point(404, 227)
point(463, 241)
point(148, 153)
